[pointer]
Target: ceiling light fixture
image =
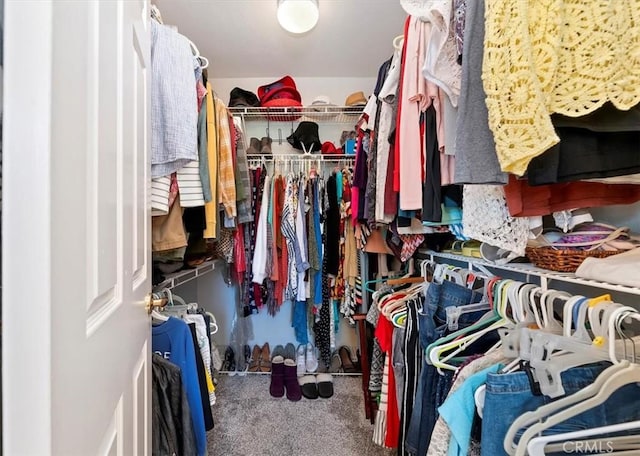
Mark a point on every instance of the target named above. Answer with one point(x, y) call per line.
point(298, 16)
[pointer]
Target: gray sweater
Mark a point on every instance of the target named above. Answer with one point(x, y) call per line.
point(476, 158)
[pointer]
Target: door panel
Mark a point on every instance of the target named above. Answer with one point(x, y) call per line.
point(139, 140)
point(90, 242)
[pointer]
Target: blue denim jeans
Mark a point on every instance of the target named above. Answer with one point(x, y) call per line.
point(432, 325)
point(509, 395)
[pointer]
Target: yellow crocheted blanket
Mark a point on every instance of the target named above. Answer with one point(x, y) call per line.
point(555, 56)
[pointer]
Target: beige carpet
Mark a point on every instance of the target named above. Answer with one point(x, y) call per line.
point(249, 422)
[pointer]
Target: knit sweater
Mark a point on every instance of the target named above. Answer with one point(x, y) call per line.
point(557, 56)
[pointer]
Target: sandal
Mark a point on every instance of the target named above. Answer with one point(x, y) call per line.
point(471, 249)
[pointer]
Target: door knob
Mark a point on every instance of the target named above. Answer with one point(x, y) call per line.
point(150, 302)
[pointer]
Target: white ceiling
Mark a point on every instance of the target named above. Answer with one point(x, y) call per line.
point(242, 38)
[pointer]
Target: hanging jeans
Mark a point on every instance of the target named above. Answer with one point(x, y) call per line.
point(432, 325)
point(509, 395)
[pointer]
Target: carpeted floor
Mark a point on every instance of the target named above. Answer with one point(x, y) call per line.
point(249, 422)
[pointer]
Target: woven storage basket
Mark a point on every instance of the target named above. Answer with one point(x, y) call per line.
point(564, 260)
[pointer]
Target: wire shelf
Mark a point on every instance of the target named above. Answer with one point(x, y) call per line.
point(186, 275)
point(324, 114)
point(529, 269)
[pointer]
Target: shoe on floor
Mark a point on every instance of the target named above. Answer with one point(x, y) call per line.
point(229, 364)
point(290, 352)
point(265, 358)
point(247, 355)
point(336, 363)
point(301, 365)
point(254, 363)
point(277, 351)
point(276, 388)
point(291, 380)
point(308, 386)
point(311, 358)
point(347, 360)
point(325, 385)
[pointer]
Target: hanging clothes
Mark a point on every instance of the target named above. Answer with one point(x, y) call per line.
point(174, 116)
point(172, 340)
point(171, 422)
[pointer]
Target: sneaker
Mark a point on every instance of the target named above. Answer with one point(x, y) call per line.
point(300, 361)
point(311, 358)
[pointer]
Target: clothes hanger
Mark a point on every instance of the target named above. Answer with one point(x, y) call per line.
point(510, 338)
point(614, 380)
point(549, 297)
point(155, 315)
point(553, 354)
point(529, 418)
point(538, 445)
point(204, 62)
point(460, 344)
point(532, 417)
point(454, 313)
point(381, 280)
point(616, 321)
point(459, 340)
point(517, 342)
point(398, 306)
point(398, 42)
point(568, 312)
point(178, 309)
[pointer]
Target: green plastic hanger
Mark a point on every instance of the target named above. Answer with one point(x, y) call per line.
point(496, 318)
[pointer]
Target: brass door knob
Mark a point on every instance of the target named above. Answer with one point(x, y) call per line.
point(150, 302)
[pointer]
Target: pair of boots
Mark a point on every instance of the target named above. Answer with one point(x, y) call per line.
point(284, 378)
point(260, 146)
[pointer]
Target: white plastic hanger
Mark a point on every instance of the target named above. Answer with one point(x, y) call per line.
point(567, 313)
point(158, 316)
point(510, 337)
point(614, 380)
point(547, 301)
point(529, 418)
point(551, 355)
point(398, 42)
point(614, 324)
point(604, 385)
point(213, 324)
point(536, 447)
point(204, 62)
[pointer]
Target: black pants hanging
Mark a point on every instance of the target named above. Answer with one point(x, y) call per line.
point(432, 189)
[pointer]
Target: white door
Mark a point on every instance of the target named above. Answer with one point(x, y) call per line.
point(76, 261)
